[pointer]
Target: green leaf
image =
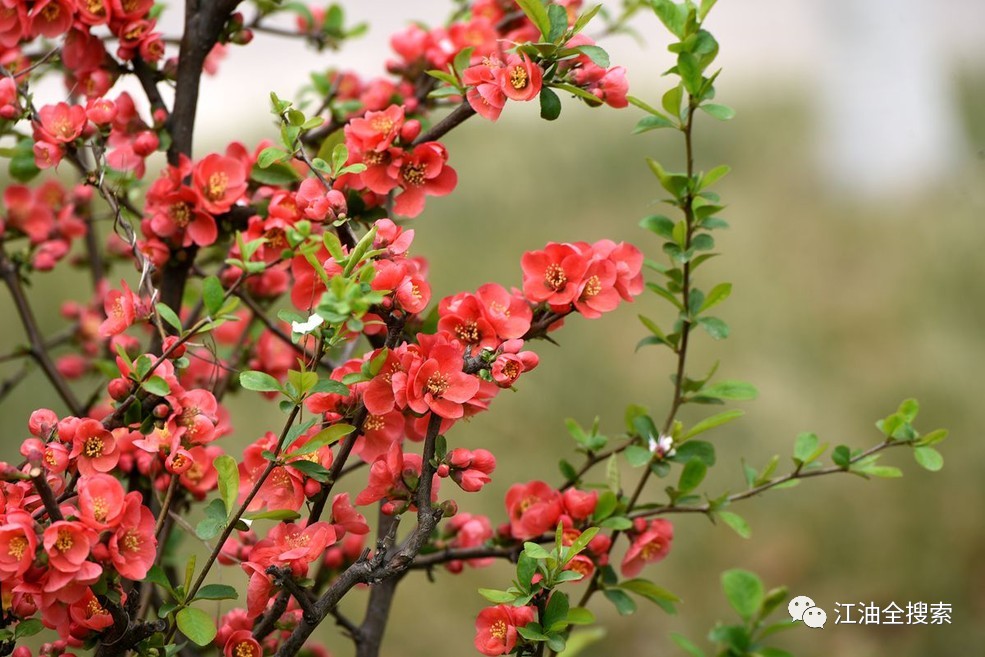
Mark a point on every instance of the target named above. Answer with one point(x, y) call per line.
point(659, 225)
point(744, 591)
point(718, 294)
point(712, 422)
point(168, 315)
point(624, 604)
point(689, 69)
point(274, 514)
point(276, 173)
point(559, 22)
point(598, 55)
point(580, 616)
point(537, 13)
point(212, 295)
point(496, 596)
point(736, 522)
point(156, 576)
point(28, 627)
point(841, 456)
point(671, 15)
point(535, 551)
point(605, 506)
point(196, 625)
point(619, 523)
point(556, 610)
point(327, 436)
point(331, 386)
point(695, 449)
point(928, 458)
point(688, 647)
point(706, 6)
point(584, 19)
point(259, 381)
point(805, 447)
point(734, 390)
point(550, 104)
point(216, 592)
point(647, 589)
point(155, 385)
point(214, 521)
point(581, 542)
point(638, 456)
point(612, 474)
point(653, 122)
point(692, 475)
point(715, 327)
point(526, 567)
point(933, 437)
point(268, 156)
point(671, 100)
point(228, 471)
point(315, 471)
point(720, 112)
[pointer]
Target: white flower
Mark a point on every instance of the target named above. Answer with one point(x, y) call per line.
point(313, 322)
point(663, 446)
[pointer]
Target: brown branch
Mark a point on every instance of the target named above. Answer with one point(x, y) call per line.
point(47, 496)
point(457, 116)
point(385, 564)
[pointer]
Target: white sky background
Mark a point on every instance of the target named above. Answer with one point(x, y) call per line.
point(881, 72)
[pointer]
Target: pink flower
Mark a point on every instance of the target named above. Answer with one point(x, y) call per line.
point(440, 385)
point(242, 644)
point(509, 314)
point(18, 543)
point(579, 504)
point(67, 544)
point(553, 275)
point(649, 543)
point(386, 477)
point(534, 509)
point(597, 293)
point(318, 204)
point(133, 547)
point(495, 628)
point(484, 94)
point(423, 171)
point(345, 516)
point(61, 123)
point(520, 79)
point(100, 501)
point(120, 307)
point(220, 182)
point(471, 469)
point(94, 448)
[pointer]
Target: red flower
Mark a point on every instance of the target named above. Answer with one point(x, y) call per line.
point(597, 293)
point(386, 477)
point(650, 543)
point(440, 385)
point(495, 628)
point(471, 470)
point(61, 123)
point(220, 181)
point(579, 504)
point(100, 501)
point(375, 131)
point(553, 275)
point(133, 547)
point(509, 313)
point(94, 448)
point(520, 79)
point(67, 544)
point(423, 171)
point(484, 94)
point(346, 518)
point(534, 509)
point(120, 307)
point(18, 543)
point(242, 644)
point(88, 613)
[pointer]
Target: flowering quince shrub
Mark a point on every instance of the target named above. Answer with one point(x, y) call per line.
point(284, 271)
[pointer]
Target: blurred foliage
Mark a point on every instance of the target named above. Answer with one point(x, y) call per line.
point(839, 310)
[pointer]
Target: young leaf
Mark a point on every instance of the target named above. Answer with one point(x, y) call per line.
point(712, 422)
point(155, 385)
point(688, 647)
point(744, 591)
point(196, 625)
point(720, 112)
point(537, 13)
point(497, 597)
point(216, 592)
point(259, 381)
point(734, 390)
point(928, 458)
point(550, 104)
point(228, 471)
point(212, 295)
point(736, 522)
point(624, 604)
point(692, 475)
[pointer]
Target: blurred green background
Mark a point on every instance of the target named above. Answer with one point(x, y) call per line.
point(841, 308)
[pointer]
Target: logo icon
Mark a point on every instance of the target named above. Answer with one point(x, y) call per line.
point(803, 608)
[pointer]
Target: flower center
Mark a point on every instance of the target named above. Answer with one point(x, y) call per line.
point(372, 423)
point(17, 546)
point(554, 277)
point(50, 12)
point(650, 550)
point(413, 174)
point(382, 124)
point(96, 7)
point(131, 541)
point(63, 127)
point(95, 609)
point(180, 214)
point(511, 369)
point(467, 332)
point(592, 287)
point(218, 182)
point(65, 541)
point(437, 384)
point(99, 509)
point(93, 447)
point(519, 77)
point(243, 649)
point(498, 630)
